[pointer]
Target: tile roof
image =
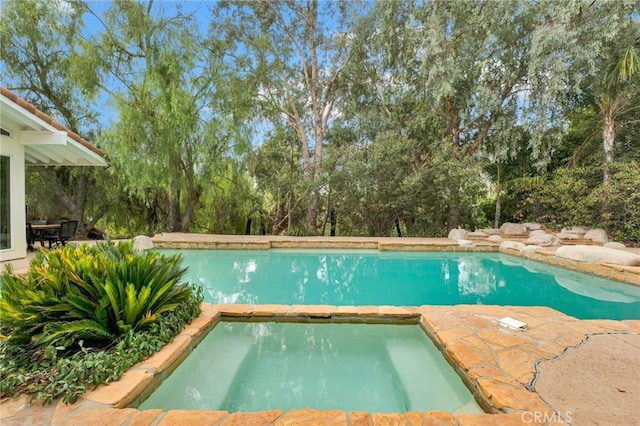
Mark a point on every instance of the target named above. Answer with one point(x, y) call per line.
point(46, 118)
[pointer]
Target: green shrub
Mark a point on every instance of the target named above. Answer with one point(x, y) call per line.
point(620, 202)
point(89, 293)
point(47, 373)
point(578, 197)
point(564, 199)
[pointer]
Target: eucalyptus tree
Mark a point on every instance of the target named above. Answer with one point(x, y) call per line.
point(386, 141)
point(40, 42)
point(368, 183)
point(174, 129)
point(493, 68)
point(274, 165)
point(296, 52)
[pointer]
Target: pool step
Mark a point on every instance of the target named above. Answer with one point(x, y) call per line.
point(426, 375)
point(232, 358)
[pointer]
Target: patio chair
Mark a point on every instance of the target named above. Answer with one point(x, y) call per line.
point(67, 230)
point(37, 234)
point(50, 235)
point(60, 236)
point(31, 237)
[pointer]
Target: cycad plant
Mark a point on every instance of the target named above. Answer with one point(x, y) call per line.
point(90, 293)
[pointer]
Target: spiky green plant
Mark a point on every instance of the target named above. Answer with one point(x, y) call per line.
point(90, 293)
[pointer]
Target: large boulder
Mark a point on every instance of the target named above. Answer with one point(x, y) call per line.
point(577, 229)
point(513, 228)
point(582, 253)
point(531, 248)
point(477, 234)
point(537, 232)
point(491, 231)
point(512, 245)
point(542, 239)
point(565, 234)
point(494, 238)
point(142, 242)
point(458, 234)
point(614, 245)
point(597, 235)
point(532, 226)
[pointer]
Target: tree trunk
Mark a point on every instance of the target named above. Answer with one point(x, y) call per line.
point(312, 213)
point(80, 203)
point(453, 217)
point(290, 215)
point(496, 219)
point(75, 206)
point(398, 230)
point(174, 208)
point(95, 218)
point(453, 128)
point(194, 199)
point(279, 219)
point(323, 226)
point(608, 140)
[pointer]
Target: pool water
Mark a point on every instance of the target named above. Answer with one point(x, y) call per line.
point(369, 277)
point(255, 366)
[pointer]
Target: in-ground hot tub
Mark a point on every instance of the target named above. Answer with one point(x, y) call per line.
point(255, 366)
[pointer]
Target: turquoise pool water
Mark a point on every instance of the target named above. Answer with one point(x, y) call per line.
point(351, 277)
point(261, 366)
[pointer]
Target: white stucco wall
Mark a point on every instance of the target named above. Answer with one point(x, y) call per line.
point(10, 147)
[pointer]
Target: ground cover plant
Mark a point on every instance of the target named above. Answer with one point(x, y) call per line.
point(83, 315)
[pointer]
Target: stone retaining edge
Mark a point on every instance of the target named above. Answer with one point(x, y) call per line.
point(620, 273)
point(495, 389)
point(624, 274)
point(169, 357)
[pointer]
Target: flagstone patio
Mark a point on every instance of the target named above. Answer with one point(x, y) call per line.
point(501, 366)
point(545, 374)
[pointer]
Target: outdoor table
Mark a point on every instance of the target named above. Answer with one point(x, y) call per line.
point(39, 229)
point(46, 226)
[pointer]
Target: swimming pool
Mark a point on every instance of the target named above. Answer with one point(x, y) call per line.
point(369, 277)
point(259, 366)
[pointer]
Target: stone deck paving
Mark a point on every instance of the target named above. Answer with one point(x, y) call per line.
point(500, 366)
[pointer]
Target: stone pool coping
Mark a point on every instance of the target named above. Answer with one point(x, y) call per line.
point(498, 365)
point(625, 274)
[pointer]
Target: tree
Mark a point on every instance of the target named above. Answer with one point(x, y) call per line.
point(170, 90)
point(39, 48)
point(493, 68)
point(367, 181)
point(621, 88)
point(275, 167)
point(296, 51)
